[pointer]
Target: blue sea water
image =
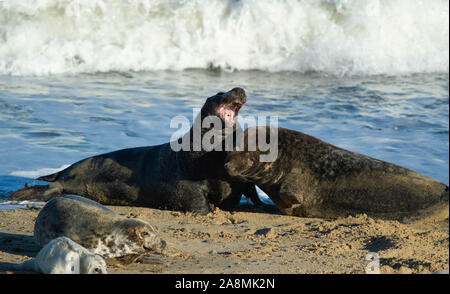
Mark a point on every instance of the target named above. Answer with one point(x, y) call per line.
point(49, 122)
point(80, 78)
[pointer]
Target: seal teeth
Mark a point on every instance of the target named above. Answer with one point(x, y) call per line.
point(227, 114)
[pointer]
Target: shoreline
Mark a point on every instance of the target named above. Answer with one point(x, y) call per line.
point(251, 242)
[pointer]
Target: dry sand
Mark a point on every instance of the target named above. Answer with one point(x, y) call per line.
point(248, 241)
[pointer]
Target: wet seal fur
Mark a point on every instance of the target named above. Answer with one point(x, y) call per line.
point(64, 256)
point(311, 178)
point(157, 176)
point(95, 227)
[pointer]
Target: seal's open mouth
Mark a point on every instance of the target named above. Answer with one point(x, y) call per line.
point(225, 106)
point(228, 112)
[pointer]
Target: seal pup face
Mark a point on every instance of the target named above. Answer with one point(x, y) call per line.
point(127, 236)
point(225, 106)
point(93, 264)
point(145, 235)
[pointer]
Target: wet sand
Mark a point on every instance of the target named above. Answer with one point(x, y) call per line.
point(251, 241)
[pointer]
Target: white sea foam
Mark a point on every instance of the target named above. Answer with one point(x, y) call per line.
point(38, 173)
point(39, 37)
point(10, 204)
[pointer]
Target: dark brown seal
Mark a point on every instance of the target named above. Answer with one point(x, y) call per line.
point(95, 227)
point(158, 176)
point(312, 178)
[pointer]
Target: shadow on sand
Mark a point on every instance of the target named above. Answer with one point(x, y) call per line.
point(18, 244)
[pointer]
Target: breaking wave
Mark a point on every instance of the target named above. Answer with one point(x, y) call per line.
point(41, 37)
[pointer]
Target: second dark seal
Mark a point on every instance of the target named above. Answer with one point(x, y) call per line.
point(312, 178)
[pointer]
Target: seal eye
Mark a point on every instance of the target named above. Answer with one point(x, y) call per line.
point(97, 270)
point(144, 234)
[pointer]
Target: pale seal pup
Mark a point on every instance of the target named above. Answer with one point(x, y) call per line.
point(157, 176)
point(312, 178)
point(64, 256)
point(95, 227)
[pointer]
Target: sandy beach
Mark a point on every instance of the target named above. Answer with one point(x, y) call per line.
point(250, 241)
point(80, 79)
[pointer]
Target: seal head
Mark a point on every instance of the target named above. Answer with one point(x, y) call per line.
point(143, 234)
point(225, 105)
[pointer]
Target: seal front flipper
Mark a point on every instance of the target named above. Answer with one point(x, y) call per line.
point(191, 197)
point(294, 197)
point(289, 200)
point(27, 266)
point(37, 193)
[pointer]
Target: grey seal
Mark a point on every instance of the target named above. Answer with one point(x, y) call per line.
point(158, 176)
point(95, 227)
point(311, 178)
point(64, 256)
